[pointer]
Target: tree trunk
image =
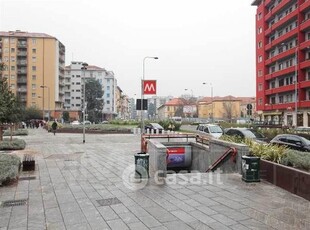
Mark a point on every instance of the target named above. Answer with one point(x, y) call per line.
point(11, 132)
point(1, 133)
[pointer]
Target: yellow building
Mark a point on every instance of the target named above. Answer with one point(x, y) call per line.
point(220, 108)
point(34, 68)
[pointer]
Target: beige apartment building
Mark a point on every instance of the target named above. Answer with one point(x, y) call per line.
point(34, 67)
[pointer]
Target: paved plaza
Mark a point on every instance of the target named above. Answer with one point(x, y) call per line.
point(89, 186)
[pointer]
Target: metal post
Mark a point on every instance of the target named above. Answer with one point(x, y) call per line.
point(205, 83)
point(84, 68)
point(296, 79)
point(49, 108)
point(142, 98)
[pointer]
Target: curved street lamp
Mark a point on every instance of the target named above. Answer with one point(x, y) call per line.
point(84, 68)
point(142, 99)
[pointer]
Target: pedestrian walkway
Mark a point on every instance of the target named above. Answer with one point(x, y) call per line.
point(90, 186)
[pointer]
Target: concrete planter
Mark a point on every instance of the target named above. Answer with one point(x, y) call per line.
point(288, 178)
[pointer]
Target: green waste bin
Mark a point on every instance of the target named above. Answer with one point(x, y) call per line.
point(142, 165)
point(250, 168)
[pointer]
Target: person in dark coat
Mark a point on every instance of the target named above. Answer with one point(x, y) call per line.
point(54, 127)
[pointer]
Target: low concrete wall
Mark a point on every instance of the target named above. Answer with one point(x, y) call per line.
point(203, 156)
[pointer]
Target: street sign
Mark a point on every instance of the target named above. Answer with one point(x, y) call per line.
point(249, 106)
point(138, 104)
point(149, 87)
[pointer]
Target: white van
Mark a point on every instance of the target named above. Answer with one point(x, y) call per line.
point(211, 130)
point(177, 120)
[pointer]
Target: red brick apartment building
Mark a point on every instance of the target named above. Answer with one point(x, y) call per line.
point(283, 55)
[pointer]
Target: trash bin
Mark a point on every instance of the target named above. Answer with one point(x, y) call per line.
point(250, 168)
point(141, 165)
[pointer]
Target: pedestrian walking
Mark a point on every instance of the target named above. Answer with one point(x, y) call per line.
point(54, 127)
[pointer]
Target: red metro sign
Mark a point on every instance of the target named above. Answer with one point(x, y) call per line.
point(149, 87)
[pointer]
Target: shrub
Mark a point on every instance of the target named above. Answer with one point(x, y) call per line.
point(296, 159)
point(19, 132)
point(15, 144)
point(9, 167)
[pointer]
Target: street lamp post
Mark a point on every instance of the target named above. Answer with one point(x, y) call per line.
point(296, 79)
point(205, 83)
point(84, 68)
point(142, 98)
point(48, 98)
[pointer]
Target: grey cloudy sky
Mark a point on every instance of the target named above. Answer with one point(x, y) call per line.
point(196, 41)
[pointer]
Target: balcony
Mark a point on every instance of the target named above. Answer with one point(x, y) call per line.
point(281, 39)
point(282, 89)
point(305, 25)
point(21, 45)
point(22, 90)
point(282, 21)
point(304, 6)
point(21, 62)
point(280, 56)
point(22, 81)
point(280, 73)
point(21, 71)
point(304, 84)
point(21, 53)
point(304, 64)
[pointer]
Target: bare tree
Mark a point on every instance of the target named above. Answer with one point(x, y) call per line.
point(228, 110)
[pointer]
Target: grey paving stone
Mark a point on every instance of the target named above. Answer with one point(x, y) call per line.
point(198, 225)
point(183, 216)
point(202, 217)
point(137, 210)
point(218, 226)
point(206, 210)
point(107, 213)
point(56, 226)
point(117, 224)
point(223, 219)
point(72, 218)
point(119, 208)
point(81, 226)
point(53, 215)
point(69, 207)
point(149, 221)
point(177, 225)
point(160, 214)
point(128, 217)
point(137, 226)
point(238, 227)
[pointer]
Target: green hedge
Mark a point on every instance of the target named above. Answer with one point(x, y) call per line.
point(15, 144)
point(19, 132)
point(9, 168)
point(296, 159)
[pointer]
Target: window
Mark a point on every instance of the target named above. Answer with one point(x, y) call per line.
point(12, 40)
point(6, 50)
point(280, 66)
point(108, 87)
point(33, 95)
point(12, 77)
point(78, 98)
point(72, 97)
point(13, 68)
point(259, 16)
point(12, 86)
point(108, 102)
point(12, 50)
point(12, 59)
point(77, 105)
point(260, 73)
point(281, 82)
point(6, 59)
point(78, 75)
point(33, 86)
point(108, 95)
point(272, 85)
point(260, 101)
point(34, 68)
point(34, 41)
point(281, 99)
point(78, 83)
point(72, 76)
point(260, 59)
point(34, 77)
point(260, 30)
point(6, 40)
point(34, 59)
point(260, 44)
point(34, 51)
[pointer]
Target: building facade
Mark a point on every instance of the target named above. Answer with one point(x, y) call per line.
point(283, 61)
point(74, 80)
point(34, 68)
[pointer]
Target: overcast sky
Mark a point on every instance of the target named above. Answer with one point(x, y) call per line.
point(196, 41)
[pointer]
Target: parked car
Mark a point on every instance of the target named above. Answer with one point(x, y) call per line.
point(292, 141)
point(210, 130)
point(154, 126)
point(75, 123)
point(104, 122)
point(246, 133)
point(86, 122)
